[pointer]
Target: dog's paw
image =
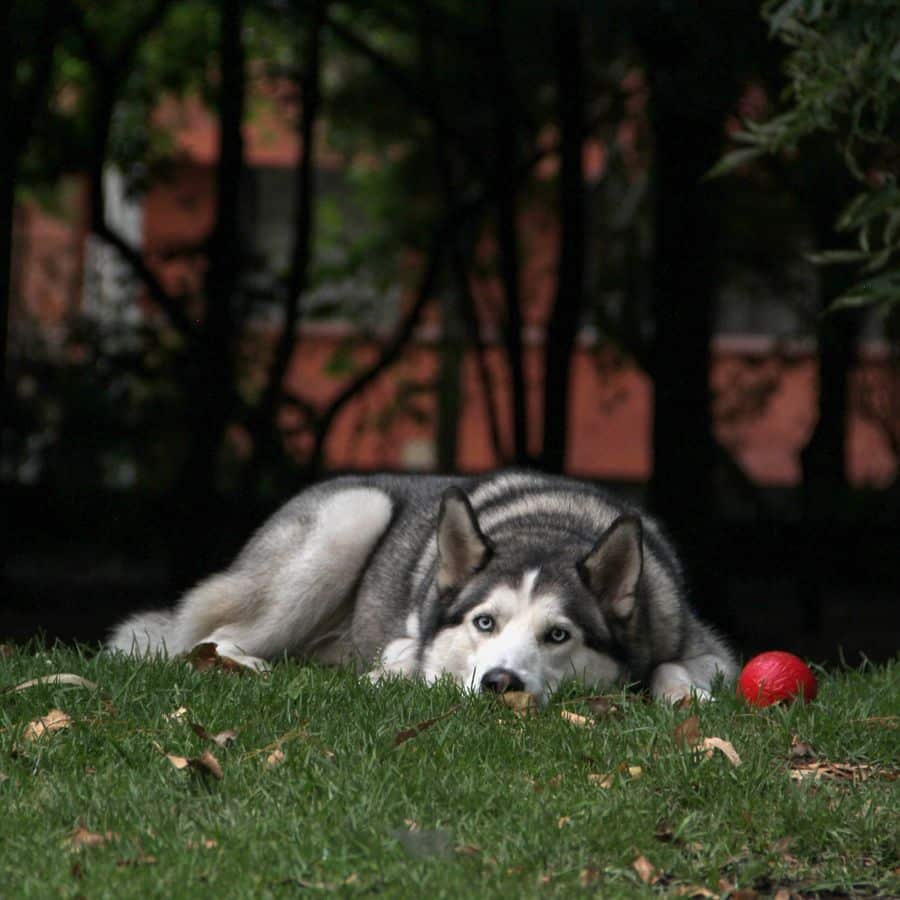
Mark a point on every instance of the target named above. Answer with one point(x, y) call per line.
point(672, 683)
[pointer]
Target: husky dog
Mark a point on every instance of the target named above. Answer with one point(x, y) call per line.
point(510, 581)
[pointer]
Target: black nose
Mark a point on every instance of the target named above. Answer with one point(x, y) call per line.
point(501, 680)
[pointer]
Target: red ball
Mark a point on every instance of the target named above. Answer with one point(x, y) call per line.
point(775, 676)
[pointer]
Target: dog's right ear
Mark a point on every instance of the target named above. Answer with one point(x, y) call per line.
point(462, 547)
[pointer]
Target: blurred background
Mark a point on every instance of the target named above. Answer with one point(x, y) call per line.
point(247, 243)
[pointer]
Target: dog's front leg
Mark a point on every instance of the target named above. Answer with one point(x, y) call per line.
point(673, 681)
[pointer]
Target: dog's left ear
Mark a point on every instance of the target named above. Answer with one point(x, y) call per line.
point(462, 548)
point(612, 569)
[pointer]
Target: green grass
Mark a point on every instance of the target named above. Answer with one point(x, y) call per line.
point(502, 806)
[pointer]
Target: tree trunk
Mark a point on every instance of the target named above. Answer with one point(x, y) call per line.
point(562, 329)
point(687, 116)
point(824, 458)
point(266, 434)
point(8, 167)
point(505, 205)
point(211, 381)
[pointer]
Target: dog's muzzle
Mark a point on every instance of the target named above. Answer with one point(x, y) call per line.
point(501, 680)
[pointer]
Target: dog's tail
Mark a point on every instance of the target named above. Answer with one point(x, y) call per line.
point(145, 634)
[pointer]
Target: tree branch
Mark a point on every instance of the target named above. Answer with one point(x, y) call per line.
point(304, 200)
point(409, 89)
point(389, 353)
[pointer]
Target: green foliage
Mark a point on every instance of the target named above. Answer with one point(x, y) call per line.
point(480, 804)
point(843, 73)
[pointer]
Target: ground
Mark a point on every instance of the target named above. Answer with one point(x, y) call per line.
point(159, 779)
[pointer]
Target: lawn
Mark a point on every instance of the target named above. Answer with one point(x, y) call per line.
point(331, 784)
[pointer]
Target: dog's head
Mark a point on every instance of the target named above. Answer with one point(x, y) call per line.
point(530, 611)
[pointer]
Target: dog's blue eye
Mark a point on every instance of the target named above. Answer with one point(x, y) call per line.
point(484, 623)
point(557, 635)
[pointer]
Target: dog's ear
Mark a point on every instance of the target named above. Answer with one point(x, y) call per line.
point(462, 548)
point(612, 568)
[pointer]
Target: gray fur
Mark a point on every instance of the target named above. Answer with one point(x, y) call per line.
point(368, 571)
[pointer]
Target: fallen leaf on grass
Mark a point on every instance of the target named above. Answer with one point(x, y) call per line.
point(645, 869)
point(176, 715)
point(204, 763)
point(782, 894)
point(694, 890)
point(467, 850)
point(202, 844)
point(800, 749)
point(407, 733)
point(55, 720)
point(223, 738)
point(602, 705)
point(204, 657)
point(588, 876)
point(726, 747)
point(58, 678)
point(816, 771)
point(563, 821)
point(520, 702)
point(142, 859)
point(81, 837)
point(687, 733)
point(880, 721)
point(600, 780)
point(576, 719)
point(275, 758)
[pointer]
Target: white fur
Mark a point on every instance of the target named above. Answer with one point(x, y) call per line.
point(522, 619)
point(312, 567)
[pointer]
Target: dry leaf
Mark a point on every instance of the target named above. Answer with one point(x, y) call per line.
point(598, 780)
point(407, 733)
point(55, 720)
point(782, 894)
point(816, 771)
point(59, 678)
point(800, 749)
point(743, 894)
point(520, 702)
point(467, 850)
point(602, 705)
point(687, 733)
point(204, 657)
point(223, 738)
point(208, 763)
point(881, 721)
point(685, 702)
point(646, 870)
point(588, 876)
point(726, 747)
point(665, 832)
point(275, 758)
point(576, 719)
point(176, 715)
point(81, 837)
point(141, 859)
point(563, 821)
point(202, 844)
point(694, 890)
point(205, 762)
